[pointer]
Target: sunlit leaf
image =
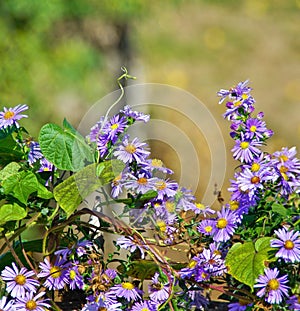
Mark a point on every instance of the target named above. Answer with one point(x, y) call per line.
point(9, 212)
point(70, 193)
point(64, 147)
point(246, 261)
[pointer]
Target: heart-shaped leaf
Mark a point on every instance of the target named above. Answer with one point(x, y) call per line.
point(246, 261)
point(64, 147)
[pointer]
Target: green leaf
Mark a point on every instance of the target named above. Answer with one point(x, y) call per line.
point(279, 209)
point(246, 261)
point(70, 193)
point(21, 185)
point(9, 150)
point(10, 169)
point(43, 192)
point(9, 212)
point(64, 147)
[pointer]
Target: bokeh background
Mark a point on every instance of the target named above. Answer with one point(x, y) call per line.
point(60, 57)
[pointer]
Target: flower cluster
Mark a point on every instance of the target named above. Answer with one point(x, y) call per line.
point(248, 249)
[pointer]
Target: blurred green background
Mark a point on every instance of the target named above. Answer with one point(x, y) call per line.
point(60, 57)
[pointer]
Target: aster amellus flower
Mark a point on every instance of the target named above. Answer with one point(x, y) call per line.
point(19, 281)
point(132, 151)
point(225, 225)
point(273, 288)
point(11, 116)
point(288, 243)
point(56, 274)
point(126, 290)
point(143, 306)
point(32, 303)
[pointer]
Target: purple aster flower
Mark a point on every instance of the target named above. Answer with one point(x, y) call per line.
point(239, 306)
point(245, 150)
point(35, 152)
point(158, 291)
point(114, 126)
point(129, 244)
point(126, 290)
point(45, 166)
point(190, 270)
point(78, 248)
point(140, 184)
point(74, 278)
point(212, 262)
point(272, 286)
point(197, 299)
point(256, 128)
point(289, 243)
point(200, 208)
point(143, 306)
point(185, 200)
point(132, 151)
point(136, 115)
point(207, 227)
point(156, 165)
point(6, 305)
point(165, 188)
point(249, 181)
point(225, 225)
point(11, 116)
point(19, 281)
point(235, 92)
point(32, 303)
point(293, 303)
point(56, 275)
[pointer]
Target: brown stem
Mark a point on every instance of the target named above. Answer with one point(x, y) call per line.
point(13, 252)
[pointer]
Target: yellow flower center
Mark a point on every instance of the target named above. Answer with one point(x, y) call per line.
point(156, 163)
point(30, 305)
point(200, 205)
point(252, 128)
point(255, 180)
point(161, 225)
point(204, 275)
point(72, 274)
point(237, 104)
point(217, 252)
point(8, 115)
point(20, 279)
point(273, 284)
point(288, 244)
point(114, 126)
point(130, 148)
point(128, 285)
point(55, 272)
point(192, 264)
point(285, 176)
point(244, 144)
point(170, 206)
point(255, 167)
point(160, 185)
point(145, 309)
point(234, 205)
point(245, 96)
point(208, 228)
point(142, 181)
point(222, 223)
point(283, 169)
point(283, 158)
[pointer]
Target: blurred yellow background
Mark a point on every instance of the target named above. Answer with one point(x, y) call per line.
point(60, 57)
